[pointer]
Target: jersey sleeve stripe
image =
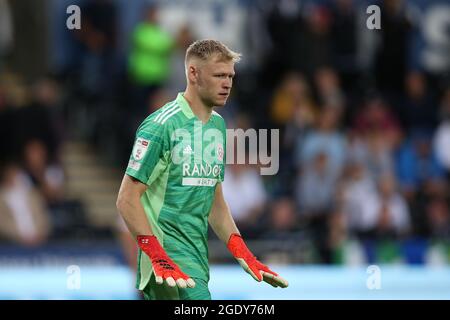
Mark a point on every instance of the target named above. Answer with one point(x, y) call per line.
point(169, 107)
point(170, 115)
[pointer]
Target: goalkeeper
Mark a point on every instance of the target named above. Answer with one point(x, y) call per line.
point(172, 185)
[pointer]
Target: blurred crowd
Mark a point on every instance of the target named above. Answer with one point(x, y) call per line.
point(364, 129)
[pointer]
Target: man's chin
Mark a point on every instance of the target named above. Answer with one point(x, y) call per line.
point(220, 103)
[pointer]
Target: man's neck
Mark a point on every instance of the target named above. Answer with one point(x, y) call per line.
point(202, 111)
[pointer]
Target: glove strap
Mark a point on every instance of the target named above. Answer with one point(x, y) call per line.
point(238, 249)
point(151, 246)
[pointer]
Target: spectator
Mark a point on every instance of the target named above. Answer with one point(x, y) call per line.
point(293, 92)
point(176, 79)
point(418, 167)
point(316, 186)
point(442, 136)
point(391, 55)
point(282, 222)
point(40, 120)
point(149, 60)
point(284, 232)
point(48, 178)
point(438, 219)
point(344, 41)
point(292, 111)
point(419, 111)
point(384, 214)
point(23, 216)
point(16, 98)
point(317, 37)
point(285, 25)
point(328, 88)
point(315, 194)
point(326, 139)
point(356, 186)
point(422, 177)
point(98, 43)
point(244, 190)
point(372, 151)
point(376, 119)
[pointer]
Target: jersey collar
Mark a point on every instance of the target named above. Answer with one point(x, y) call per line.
point(184, 105)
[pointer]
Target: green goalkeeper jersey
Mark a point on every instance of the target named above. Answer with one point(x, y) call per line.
point(181, 160)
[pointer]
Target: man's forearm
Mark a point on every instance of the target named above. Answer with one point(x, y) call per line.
point(222, 222)
point(134, 216)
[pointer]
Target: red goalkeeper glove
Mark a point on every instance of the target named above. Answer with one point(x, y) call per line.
point(163, 267)
point(251, 265)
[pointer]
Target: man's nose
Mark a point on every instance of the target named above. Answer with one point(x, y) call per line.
point(227, 84)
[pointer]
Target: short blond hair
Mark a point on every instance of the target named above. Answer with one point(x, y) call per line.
point(204, 49)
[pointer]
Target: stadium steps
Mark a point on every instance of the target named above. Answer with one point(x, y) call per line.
point(93, 182)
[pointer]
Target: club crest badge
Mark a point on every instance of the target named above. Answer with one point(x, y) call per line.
point(220, 152)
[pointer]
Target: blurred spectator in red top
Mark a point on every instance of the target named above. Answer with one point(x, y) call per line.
point(376, 118)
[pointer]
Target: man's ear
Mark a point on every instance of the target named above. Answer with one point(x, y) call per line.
point(192, 74)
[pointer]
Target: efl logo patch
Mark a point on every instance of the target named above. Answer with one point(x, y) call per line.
point(134, 165)
point(140, 148)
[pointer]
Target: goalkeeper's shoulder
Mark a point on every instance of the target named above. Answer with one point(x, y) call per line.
point(219, 120)
point(161, 119)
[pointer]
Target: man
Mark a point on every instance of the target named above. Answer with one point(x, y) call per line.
point(171, 189)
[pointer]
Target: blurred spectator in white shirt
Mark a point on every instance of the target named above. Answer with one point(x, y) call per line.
point(316, 186)
point(48, 178)
point(357, 187)
point(442, 135)
point(244, 191)
point(325, 138)
point(384, 213)
point(24, 219)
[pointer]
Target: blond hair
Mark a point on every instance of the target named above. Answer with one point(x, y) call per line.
point(204, 49)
